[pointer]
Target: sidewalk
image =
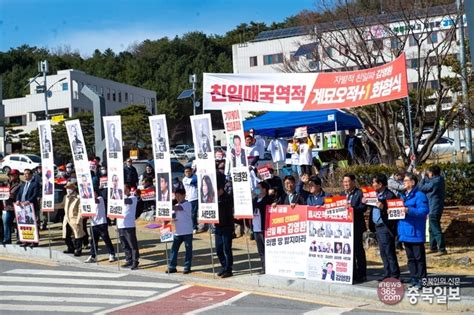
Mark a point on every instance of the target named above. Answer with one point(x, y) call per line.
point(153, 263)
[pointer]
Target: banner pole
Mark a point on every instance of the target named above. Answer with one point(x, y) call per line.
point(118, 248)
point(49, 237)
point(94, 244)
point(248, 250)
point(212, 254)
point(166, 255)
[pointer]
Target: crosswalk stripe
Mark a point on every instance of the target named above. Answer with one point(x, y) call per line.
point(75, 290)
point(43, 272)
point(90, 282)
point(220, 304)
point(49, 308)
point(67, 299)
point(328, 310)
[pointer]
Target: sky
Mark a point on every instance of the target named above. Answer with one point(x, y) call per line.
point(85, 25)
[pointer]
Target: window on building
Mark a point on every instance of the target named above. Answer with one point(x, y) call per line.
point(413, 39)
point(65, 86)
point(395, 43)
point(108, 94)
point(377, 44)
point(131, 98)
point(102, 91)
point(272, 59)
point(16, 120)
point(432, 61)
point(120, 97)
point(433, 38)
point(413, 63)
point(434, 84)
point(253, 61)
point(114, 99)
point(126, 97)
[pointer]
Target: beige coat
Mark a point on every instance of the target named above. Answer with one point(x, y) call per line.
point(72, 216)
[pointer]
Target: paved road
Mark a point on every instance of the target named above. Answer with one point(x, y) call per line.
point(43, 288)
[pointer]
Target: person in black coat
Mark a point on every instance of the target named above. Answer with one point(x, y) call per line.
point(224, 230)
point(291, 197)
point(385, 229)
point(260, 204)
point(354, 198)
point(275, 183)
point(130, 174)
point(29, 192)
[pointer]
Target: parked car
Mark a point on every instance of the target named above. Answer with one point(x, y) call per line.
point(182, 147)
point(189, 153)
point(444, 145)
point(19, 162)
point(177, 154)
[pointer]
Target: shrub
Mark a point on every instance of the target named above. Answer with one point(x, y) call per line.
point(459, 180)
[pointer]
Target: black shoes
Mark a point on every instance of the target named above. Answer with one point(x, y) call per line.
point(134, 266)
point(77, 253)
point(68, 251)
point(127, 264)
point(185, 272)
point(174, 270)
point(227, 274)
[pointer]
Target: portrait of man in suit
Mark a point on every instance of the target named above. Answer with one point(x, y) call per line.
point(114, 143)
point(203, 137)
point(45, 141)
point(48, 185)
point(77, 145)
point(160, 140)
point(238, 153)
point(85, 189)
point(164, 194)
point(115, 192)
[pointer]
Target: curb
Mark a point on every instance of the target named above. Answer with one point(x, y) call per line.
point(330, 293)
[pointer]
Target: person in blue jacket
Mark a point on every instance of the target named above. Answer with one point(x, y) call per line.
point(411, 230)
point(434, 188)
point(316, 193)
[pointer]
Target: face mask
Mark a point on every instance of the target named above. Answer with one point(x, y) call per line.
point(69, 191)
point(257, 191)
point(103, 172)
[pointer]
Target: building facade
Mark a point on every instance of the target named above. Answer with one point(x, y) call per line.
point(325, 47)
point(65, 99)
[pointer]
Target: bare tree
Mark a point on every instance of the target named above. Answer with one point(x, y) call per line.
point(356, 38)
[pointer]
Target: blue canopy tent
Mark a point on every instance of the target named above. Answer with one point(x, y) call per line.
point(283, 124)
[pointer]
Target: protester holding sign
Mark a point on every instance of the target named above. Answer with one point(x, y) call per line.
point(291, 197)
point(73, 231)
point(354, 198)
point(411, 230)
point(385, 229)
point(100, 229)
point(9, 211)
point(305, 155)
point(224, 229)
point(127, 230)
point(184, 233)
point(260, 204)
point(317, 194)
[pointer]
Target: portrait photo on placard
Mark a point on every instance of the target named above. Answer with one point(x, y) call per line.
point(207, 188)
point(113, 141)
point(77, 141)
point(45, 141)
point(160, 136)
point(162, 180)
point(203, 135)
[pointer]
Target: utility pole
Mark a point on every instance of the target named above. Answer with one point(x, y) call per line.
point(43, 67)
point(465, 96)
